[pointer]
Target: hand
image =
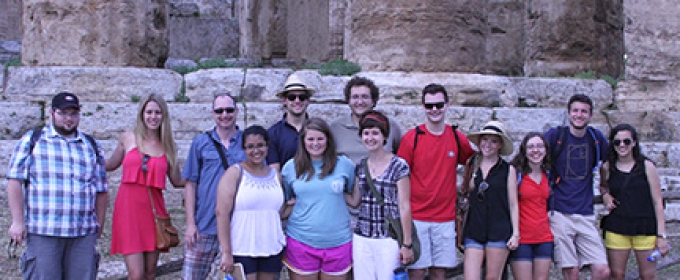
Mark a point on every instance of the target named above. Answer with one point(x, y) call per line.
point(609, 201)
point(662, 244)
point(17, 232)
point(190, 235)
point(513, 242)
point(227, 263)
point(405, 255)
point(290, 202)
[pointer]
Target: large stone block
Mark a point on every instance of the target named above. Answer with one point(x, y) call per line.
point(569, 37)
point(195, 37)
point(555, 93)
point(91, 83)
point(650, 125)
point(503, 48)
point(10, 20)
point(640, 95)
point(309, 29)
point(202, 85)
point(263, 84)
point(95, 33)
point(16, 118)
point(389, 35)
point(9, 50)
point(651, 38)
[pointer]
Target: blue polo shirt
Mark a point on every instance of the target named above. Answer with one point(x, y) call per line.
point(283, 142)
point(204, 166)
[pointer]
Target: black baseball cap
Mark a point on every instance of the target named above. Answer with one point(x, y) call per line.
point(65, 99)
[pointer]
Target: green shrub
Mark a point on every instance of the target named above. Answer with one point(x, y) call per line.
point(610, 80)
point(339, 67)
point(182, 70)
point(590, 75)
point(211, 63)
point(15, 61)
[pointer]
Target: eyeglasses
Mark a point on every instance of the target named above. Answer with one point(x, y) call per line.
point(626, 142)
point(302, 97)
point(71, 114)
point(219, 111)
point(360, 96)
point(12, 249)
point(483, 186)
point(535, 147)
point(439, 105)
point(255, 146)
point(145, 159)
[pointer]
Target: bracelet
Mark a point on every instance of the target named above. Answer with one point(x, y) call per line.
point(603, 193)
point(407, 246)
point(663, 235)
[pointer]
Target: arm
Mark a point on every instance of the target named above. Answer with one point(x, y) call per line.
point(276, 166)
point(514, 208)
point(607, 198)
point(657, 198)
point(15, 195)
point(226, 191)
point(354, 199)
point(175, 178)
point(116, 158)
point(101, 204)
point(191, 232)
point(287, 207)
point(404, 196)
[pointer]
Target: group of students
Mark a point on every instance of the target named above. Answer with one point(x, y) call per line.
point(241, 185)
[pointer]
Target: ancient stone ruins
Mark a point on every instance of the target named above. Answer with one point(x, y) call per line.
point(507, 60)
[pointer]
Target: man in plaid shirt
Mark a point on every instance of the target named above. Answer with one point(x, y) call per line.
point(57, 191)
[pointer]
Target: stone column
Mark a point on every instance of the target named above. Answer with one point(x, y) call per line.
point(95, 33)
point(569, 37)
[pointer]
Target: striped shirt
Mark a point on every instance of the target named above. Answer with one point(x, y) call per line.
point(64, 179)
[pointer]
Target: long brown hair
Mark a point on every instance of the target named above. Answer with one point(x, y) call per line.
point(303, 161)
point(164, 133)
point(521, 162)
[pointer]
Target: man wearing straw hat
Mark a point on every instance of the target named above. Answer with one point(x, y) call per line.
point(433, 150)
point(284, 135)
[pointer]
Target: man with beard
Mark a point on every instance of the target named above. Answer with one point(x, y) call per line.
point(575, 152)
point(284, 135)
point(361, 95)
point(211, 153)
point(58, 193)
point(433, 151)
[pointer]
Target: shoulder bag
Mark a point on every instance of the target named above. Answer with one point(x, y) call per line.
point(463, 204)
point(167, 235)
point(392, 224)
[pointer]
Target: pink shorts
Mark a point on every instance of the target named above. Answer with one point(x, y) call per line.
point(304, 259)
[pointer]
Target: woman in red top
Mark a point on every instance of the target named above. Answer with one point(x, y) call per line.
point(532, 258)
point(148, 155)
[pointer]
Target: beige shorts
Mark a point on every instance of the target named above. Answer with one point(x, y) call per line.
point(437, 244)
point(577, 240)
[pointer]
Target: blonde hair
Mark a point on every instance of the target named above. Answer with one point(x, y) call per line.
point(165, 131)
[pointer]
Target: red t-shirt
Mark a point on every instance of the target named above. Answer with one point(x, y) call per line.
point(433, 172)
point(534, 226)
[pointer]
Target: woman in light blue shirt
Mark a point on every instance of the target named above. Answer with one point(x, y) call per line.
point(322, 185)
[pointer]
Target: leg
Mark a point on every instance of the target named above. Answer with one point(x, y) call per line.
point(589, 246)
point(150, 264)
point(495, 262)
point(443, 248)
point(42, 258)
point(618, 259)
point(135, 266)
point(80, 258)
point(541, 269)
point(522, 269)
point(565, 249)
point(437, 273)
point(647, 269)
point(362, 256)
point(570, 273)
point(324, 276)
point(474, 257)
point(295, 276)
point(199, 258)
point(263, 276)
point(417, 270)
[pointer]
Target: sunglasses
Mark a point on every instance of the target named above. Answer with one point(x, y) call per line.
point(145, 166)
point(439, 105)
point(12, 249)
point(292, 97)
point(626, 142)
point(219, 111)
point(483, 186)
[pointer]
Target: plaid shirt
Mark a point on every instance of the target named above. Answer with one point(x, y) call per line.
point(64, 179)
point(371, 222)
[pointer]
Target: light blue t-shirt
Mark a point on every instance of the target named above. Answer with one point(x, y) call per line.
point(320, 217)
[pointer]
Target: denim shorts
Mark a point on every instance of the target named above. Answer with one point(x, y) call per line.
point(471, 243)
point(530, 252)
point(270, 264)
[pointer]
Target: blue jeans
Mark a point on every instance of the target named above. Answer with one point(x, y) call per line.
point(60, 258)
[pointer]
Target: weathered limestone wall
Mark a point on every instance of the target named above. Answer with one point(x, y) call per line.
point(569, 37)
point(257, 22)
point(313, 27)
point(652, 38)
point(95, 32)
point(195, 33)
point(504, 43)
point(10, 20)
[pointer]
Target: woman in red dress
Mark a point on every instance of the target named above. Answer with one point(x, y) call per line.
point(148, 154)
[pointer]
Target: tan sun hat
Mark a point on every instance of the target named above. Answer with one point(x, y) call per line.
point(295, 82)
point(494, 128)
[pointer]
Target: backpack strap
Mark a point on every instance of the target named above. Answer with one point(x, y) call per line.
point(420, 131)
point(37, 132)
point(596, 143)
point(218, 147)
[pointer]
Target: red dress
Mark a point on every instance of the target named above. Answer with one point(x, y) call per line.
point(133, 229)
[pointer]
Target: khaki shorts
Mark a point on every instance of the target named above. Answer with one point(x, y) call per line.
point(577, 240)
point(437, 245)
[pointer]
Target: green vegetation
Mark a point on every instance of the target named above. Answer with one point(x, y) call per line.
point(134, 98)
point(339, 67)
point(16, 61)
point(590, 75)
point(181, 96)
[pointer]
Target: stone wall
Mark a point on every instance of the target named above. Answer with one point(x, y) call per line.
point(308, 29)
point(10, 20)
point(195, 33)
point(95, 32)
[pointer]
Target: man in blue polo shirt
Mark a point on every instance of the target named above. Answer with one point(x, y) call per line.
point(284, 135)
point(203, 170)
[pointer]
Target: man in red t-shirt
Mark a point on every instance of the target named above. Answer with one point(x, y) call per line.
point(433, 155)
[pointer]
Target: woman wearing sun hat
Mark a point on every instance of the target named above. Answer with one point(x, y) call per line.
point(492, 227)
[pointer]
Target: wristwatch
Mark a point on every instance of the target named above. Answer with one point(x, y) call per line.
point(664, 236)
point(407, 246)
